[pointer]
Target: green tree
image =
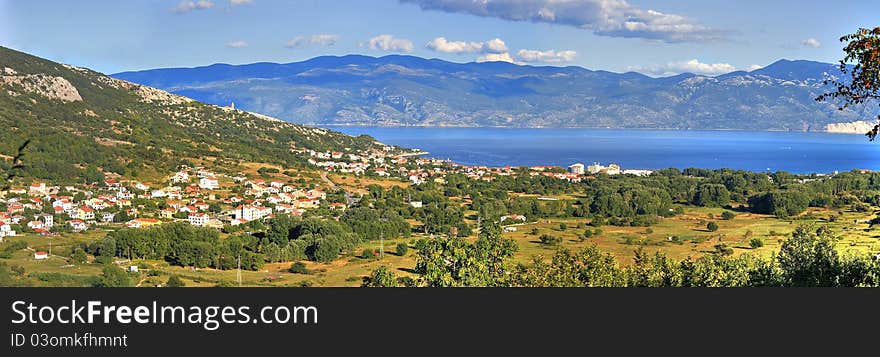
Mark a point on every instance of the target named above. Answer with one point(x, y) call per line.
point(723, 249)
point(382, 277)
point(808, 258)
point(174, 281)
point(860, 82)
point(711, 195)
point(401, 249)
point(727, 215)
point(299, 268)
point(456, 262)
point(712, 226)
point(113, 277)
point(79, 256)
point(548, 239)
point(756, 243)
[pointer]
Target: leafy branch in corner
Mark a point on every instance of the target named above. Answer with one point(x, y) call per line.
point(17, 165)
point(863, 82)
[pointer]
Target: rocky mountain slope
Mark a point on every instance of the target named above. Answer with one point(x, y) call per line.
point(80, 122)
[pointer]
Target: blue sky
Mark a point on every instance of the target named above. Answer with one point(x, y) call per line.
point(653, 37)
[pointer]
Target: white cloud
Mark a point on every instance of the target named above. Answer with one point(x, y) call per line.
point(755, 67)
point(549, 56)
point(692, 66)
point(236, 44)
point(811, 42)
point(390, 43)
point(441, 44)
point(240, 2)
point(319, 39)
point(189, 5)
point(496, 57)
point(616, 18)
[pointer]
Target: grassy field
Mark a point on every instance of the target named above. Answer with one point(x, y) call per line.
point(693, 240)
point(357, 184)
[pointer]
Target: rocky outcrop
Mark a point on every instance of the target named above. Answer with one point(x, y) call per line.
point(48, 86)
point(856, 127)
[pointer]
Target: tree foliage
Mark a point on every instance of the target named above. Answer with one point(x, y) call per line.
point(861, 73)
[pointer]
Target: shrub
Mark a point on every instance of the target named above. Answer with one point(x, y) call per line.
point(756, 243)
point(723, 249)
point(727, 215)
point(175, 282)
point(299, 268)
point(401, 249)
point(550, 239)
point(78, 256)
point(113, 277)
point(563, 226)
point(712, 226)
point(367, 253)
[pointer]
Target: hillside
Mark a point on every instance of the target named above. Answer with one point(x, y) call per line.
point(81, 122)
point(406, 90)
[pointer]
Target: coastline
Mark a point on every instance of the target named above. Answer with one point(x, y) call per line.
point(330, 126)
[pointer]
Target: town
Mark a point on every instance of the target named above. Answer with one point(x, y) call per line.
point(204, 198)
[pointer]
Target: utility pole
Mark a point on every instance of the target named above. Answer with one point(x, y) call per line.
point(381, 246)
point(238, 273)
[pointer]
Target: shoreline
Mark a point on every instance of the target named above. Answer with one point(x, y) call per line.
point(579, 127)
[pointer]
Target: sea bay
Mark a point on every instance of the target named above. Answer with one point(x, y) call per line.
point(796, 152)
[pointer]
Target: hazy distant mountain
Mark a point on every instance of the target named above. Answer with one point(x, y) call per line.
point(406, 90)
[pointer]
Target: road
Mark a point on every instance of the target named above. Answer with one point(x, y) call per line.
point(349, 200)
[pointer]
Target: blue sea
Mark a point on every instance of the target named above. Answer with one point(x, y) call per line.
point(637, 149)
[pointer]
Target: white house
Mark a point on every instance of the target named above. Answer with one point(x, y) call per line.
point(6, 230)
point(250, 213)
point(48, 219)
point(513, 217)
point(77, 225)
point(416, 204)
point(198, 219)
point(577, 169)
point(209, 183)
point(595, 168)
point(180, 177)
point(41, 255)
point(35, 225)
point(37, 188)
point(142, 187)
point(637, 172)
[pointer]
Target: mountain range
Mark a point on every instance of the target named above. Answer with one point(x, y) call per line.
point(412, 91)
point(79, 123)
